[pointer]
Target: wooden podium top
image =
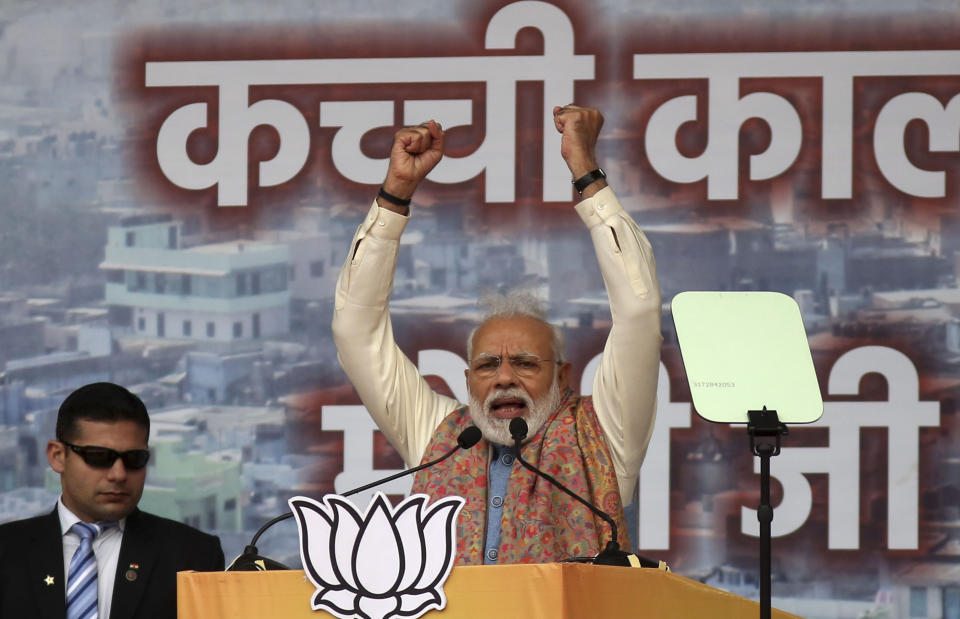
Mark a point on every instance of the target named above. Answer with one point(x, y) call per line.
point(540, 591)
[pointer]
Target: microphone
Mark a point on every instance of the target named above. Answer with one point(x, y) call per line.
point(250, 560)
point(611, 554)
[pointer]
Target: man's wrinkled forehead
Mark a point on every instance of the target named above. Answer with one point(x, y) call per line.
point(513, 335)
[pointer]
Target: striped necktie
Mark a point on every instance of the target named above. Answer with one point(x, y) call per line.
point(82, 581)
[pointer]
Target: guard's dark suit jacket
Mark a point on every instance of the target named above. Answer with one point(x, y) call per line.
point(153, 550)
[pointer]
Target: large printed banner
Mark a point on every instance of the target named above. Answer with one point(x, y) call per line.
point(181, 189)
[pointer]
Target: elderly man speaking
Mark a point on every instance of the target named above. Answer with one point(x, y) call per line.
point(516, 367)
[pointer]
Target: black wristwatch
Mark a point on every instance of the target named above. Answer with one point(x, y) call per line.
point(590, 177)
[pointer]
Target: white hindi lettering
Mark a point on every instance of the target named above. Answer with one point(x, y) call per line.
point(355, 118)
point(228, 169)
point(558, 67)
point(727, 111)
point(943, 133)
point(903, 414)
point(654, 512)
point(358, 427)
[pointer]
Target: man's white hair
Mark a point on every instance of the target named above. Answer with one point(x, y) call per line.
point(513, 304)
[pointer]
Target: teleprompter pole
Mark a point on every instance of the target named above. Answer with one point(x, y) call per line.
point(765, 430)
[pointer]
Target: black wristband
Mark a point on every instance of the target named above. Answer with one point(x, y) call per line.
point(587, 179)
point(389, 197)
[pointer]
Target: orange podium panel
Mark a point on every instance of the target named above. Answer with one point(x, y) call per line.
point(542, 591)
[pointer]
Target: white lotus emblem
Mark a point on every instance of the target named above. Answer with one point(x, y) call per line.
point(388, 562)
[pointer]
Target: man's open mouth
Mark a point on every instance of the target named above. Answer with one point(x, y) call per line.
point(508, 408)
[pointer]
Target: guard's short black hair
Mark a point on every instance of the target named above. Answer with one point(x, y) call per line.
point(100, 402)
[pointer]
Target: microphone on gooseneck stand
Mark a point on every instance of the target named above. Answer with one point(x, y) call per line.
point(466, 439)
point(611, 554)
point(250, 560)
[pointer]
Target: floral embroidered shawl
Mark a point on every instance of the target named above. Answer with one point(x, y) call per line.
point(540, 522)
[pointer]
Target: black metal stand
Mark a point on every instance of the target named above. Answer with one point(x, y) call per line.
point(765, 430)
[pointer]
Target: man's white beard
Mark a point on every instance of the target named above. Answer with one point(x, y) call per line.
point(497, 430)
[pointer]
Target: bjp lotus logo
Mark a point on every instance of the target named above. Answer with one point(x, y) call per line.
point(388, 562)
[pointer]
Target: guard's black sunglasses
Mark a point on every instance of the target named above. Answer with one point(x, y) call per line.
point(104, 457)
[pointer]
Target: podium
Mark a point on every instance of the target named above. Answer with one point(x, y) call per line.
point(540, 591)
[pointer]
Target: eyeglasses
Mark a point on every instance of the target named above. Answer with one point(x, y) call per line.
point(486, 365)
point(104, 457)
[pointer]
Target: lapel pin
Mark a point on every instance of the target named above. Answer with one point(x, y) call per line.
point(48, 580)
point(132, 572)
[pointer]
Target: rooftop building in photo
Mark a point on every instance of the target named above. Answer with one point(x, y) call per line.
point(220, 292)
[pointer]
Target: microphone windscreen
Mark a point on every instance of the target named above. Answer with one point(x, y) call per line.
point(518, 428)
point(469, 437)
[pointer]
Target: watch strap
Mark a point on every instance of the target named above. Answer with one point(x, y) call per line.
point(587, 179)
point(389, 197)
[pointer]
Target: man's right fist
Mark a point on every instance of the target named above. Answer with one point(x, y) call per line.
point(416, 151)
point(580, 128)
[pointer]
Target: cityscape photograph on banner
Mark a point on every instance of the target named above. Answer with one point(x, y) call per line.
point(182, 185)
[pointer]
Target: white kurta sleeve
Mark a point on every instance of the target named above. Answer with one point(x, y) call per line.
point(400, 401)
point(625, 386)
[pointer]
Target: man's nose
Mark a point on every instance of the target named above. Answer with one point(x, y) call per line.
point(505, 375)
point(117, 471)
